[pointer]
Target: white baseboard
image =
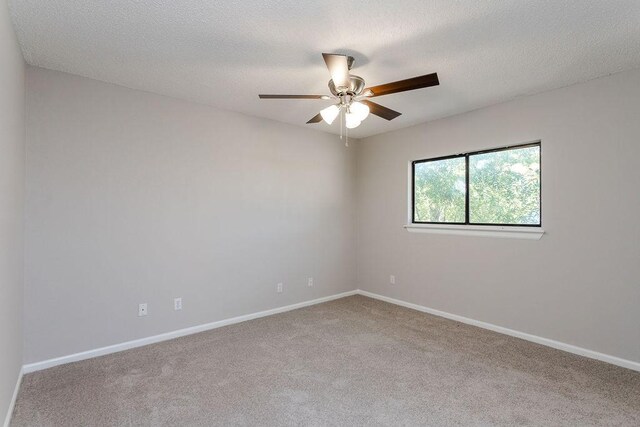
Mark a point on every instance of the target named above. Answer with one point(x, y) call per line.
point(38, 366)
point(12, 404)
point(533, 338)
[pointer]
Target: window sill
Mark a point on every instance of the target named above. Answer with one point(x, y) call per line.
point(478, 230)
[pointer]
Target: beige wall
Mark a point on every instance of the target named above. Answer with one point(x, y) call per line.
point(134, 197)
point(12, 139)
point(579, 284)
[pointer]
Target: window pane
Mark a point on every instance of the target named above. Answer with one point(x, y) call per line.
point(505, 187)
point(440, 190)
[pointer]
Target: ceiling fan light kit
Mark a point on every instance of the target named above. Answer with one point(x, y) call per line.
point(330, 113)
point(352, 94)
point(351, 120)
point(360, 110)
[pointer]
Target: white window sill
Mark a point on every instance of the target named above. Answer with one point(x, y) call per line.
point(532, 233)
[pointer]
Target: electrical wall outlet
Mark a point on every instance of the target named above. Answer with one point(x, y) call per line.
point(142, 309)
point(279, 287)
point(310, 282)
point(392, 279)
point(177, 304)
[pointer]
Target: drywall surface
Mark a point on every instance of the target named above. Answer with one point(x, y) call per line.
point(12, 141)
point(579, 284)
point(138, 198)
point(223, 52)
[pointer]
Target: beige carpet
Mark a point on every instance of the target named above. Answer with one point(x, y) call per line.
point(354, 361)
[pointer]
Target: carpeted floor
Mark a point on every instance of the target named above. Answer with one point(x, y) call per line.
point(353, 361)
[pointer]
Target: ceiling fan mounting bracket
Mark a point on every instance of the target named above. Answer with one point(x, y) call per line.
point(350, 60)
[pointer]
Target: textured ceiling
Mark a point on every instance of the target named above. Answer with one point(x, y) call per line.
point(224, 53)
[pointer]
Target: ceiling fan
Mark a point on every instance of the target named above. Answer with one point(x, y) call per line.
point(352, 96)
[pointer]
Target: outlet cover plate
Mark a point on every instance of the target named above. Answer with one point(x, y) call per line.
point(142, 309)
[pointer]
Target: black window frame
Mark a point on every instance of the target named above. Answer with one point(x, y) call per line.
point(466, 195)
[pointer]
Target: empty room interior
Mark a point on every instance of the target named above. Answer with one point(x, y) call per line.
point(337, 213)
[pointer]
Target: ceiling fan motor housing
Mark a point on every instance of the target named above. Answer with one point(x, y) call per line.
point(356, 86)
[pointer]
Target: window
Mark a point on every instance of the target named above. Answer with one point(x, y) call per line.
point(492, 187)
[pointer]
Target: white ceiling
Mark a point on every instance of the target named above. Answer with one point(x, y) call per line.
point(224, 53)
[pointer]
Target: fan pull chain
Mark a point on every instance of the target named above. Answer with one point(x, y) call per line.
point(346, 139)
point(343, 126)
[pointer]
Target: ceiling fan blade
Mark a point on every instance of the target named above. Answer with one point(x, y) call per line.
point(315, 119)
point(380, 111)
point(404, 85)
point(338, 66)
point(293, 97)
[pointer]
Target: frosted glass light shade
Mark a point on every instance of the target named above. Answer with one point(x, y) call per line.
point(330, 113)
point(360, 110)
point(351, 120)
